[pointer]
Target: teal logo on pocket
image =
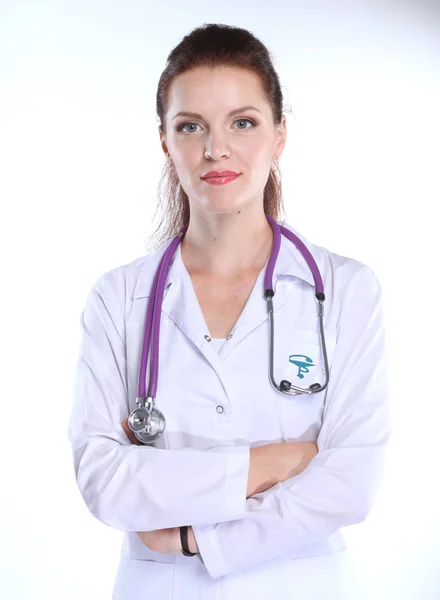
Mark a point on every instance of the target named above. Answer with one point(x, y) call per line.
point(303, 365)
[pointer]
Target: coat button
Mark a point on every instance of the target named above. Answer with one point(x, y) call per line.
point(219, 409)
point(229, 336)
point(208, 338)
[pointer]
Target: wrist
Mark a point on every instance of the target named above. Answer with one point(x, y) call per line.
point(263, 469)
point(192, 542)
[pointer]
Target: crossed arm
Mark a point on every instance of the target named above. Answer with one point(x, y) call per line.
point(336, 489)
point(268, 465)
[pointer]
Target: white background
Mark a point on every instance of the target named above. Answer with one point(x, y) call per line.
point(80, 161)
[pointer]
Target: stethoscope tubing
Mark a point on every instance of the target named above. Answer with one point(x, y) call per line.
point(154, 308)
point(152, 322)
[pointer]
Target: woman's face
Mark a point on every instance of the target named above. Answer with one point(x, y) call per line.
point(246, 142)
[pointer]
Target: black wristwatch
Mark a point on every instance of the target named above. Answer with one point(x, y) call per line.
point(184, 540)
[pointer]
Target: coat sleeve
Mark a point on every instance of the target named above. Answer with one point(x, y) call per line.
point(339, 486)
point(138, 488)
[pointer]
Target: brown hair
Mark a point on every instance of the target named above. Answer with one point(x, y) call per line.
point(213, 45)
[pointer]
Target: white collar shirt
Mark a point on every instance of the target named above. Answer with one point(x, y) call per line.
point(219, 404)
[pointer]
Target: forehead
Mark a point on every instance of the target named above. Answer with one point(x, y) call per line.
point(206, 90)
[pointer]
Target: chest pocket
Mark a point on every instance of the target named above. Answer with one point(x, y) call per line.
point(299, 359)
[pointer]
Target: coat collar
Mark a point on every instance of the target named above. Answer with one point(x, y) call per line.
point(180, 303)
point(290, 262)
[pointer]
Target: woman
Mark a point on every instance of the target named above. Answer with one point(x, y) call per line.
point(252, 483)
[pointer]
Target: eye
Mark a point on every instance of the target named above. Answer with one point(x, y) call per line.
point(250, 121)
point(180, 127)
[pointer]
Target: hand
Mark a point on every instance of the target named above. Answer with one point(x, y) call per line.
point(308, 451)
point(293, 457)
point(168, 540)
point(275, 463)
point(159, 540)
point(130, 434)
point(162, 540)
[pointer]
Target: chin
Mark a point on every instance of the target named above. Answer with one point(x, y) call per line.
point(225, 205)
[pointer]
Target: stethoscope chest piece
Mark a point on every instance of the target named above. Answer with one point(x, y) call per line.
point(147, 425)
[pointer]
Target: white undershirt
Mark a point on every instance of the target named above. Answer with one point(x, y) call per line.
point(218, 343)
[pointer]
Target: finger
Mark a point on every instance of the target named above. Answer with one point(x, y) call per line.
point(130, 434)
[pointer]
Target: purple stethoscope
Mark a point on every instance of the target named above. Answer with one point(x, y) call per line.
point(148, 423)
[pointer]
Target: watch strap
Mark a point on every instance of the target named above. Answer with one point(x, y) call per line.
point(184, 540)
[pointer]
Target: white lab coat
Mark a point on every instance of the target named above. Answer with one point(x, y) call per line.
point(285, 542)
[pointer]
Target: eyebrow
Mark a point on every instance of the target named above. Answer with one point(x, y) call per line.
point(230, 114)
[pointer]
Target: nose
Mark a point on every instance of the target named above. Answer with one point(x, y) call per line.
point(216, 148)
point(218, 155)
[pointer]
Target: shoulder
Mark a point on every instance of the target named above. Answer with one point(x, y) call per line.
point(339, 272)
point(120, 284)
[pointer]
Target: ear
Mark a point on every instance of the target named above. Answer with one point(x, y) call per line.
point(281, 136)
point(162, 140)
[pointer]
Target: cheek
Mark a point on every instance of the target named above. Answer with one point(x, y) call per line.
point(186, 171)
point(257, 159)
point(181, 159)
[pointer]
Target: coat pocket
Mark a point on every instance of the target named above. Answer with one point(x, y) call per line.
point(141, 579)
point(303, 356)
point(299, 359)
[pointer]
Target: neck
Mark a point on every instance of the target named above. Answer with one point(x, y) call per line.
point(226, 245)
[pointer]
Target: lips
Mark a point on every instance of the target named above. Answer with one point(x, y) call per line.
point(219, 180)
point(220, 174)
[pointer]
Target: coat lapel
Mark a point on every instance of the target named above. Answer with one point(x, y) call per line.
point(180, 303)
